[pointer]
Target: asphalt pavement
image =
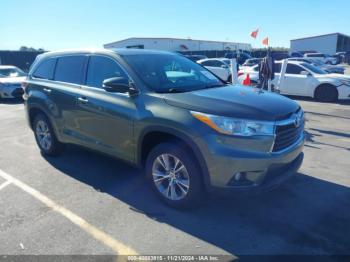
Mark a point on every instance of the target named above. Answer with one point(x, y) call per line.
point(85, 203)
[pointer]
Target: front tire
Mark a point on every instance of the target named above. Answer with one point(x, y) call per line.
point(174, 176)
point(45, 136)
point(326, 93)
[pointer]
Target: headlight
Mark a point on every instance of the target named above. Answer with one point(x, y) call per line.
point(238, 127)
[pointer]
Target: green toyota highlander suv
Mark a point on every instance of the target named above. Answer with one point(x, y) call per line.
point(190, 131)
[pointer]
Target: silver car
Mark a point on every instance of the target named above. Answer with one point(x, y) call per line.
point(11, 78)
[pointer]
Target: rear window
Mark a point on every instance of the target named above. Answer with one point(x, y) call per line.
point(46, 69)
point(69, 69)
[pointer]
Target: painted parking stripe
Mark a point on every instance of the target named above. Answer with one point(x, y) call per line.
point(5, 184)
point(118, 247)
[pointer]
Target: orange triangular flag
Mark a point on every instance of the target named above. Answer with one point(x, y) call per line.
point(266, 41)
point(254, 34)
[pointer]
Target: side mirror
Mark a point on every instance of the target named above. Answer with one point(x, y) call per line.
point(116, 85)
point(305, 73)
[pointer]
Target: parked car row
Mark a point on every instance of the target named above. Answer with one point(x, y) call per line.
point(305, 79)
point(326, 67)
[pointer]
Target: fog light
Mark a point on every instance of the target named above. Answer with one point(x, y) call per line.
point(239, 179)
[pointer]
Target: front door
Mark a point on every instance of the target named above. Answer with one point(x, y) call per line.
point(105, 120)
point(294, 82)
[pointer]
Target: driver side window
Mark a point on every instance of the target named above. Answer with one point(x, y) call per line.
point(101, 68)
point(294, 69)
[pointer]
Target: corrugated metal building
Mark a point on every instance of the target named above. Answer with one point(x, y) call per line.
point(327, 44)
point(177, 44)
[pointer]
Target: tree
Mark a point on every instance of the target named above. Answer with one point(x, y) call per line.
point(31, 49)
point(23, 48)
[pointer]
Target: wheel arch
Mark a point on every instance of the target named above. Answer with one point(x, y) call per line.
point(36, 109)
point(153, 136)
point(320, 85)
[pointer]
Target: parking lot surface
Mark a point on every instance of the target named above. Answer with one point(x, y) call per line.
point(86, 203)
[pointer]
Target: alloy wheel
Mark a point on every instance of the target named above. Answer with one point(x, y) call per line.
point(170, 177)
point(43, 135)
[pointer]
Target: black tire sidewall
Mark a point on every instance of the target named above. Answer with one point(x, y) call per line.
point(326, 93)
point(56, 146)
point(195, 193)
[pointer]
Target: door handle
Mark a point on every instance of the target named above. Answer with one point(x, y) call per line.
point(47, 90)
point(83, 100)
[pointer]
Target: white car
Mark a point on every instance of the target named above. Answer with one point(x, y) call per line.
point(219, 66)
point(303, 79)
point(11, 78)
point(322, 57)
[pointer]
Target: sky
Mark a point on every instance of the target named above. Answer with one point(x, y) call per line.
point(62, 24)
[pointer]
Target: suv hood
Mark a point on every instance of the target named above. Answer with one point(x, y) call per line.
point(235, 101)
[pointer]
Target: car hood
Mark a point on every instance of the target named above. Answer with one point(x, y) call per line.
point(235, 101)
point(334, 76)
point(12, 80)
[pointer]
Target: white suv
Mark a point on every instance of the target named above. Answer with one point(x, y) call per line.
point(303, 79)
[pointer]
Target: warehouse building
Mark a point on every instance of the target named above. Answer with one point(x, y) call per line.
point(327, 44)
point(177, 44)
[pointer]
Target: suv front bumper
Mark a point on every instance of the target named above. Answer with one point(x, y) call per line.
point(234, 170)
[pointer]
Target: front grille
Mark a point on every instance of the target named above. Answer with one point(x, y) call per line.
point(18, 92)
point(287, 135)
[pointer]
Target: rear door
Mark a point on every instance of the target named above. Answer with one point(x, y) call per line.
point(106, 119)
point(55, 83)
point(68, 78)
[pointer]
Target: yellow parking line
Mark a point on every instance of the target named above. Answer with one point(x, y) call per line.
point(5, 184)
point(118, 247)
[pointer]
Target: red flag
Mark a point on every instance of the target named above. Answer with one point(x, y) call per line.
point(265, 41)
point(254, 34)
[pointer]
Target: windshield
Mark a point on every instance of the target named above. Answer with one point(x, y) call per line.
point(164, 73)
point(11, 72)
point(314, 69)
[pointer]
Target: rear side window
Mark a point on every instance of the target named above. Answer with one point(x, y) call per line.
point(69, 69)
point(102, 68)
point(46, 69)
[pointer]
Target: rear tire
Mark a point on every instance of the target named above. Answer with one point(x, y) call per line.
point(182, 189)
point(45, 136)
point(326, 93)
